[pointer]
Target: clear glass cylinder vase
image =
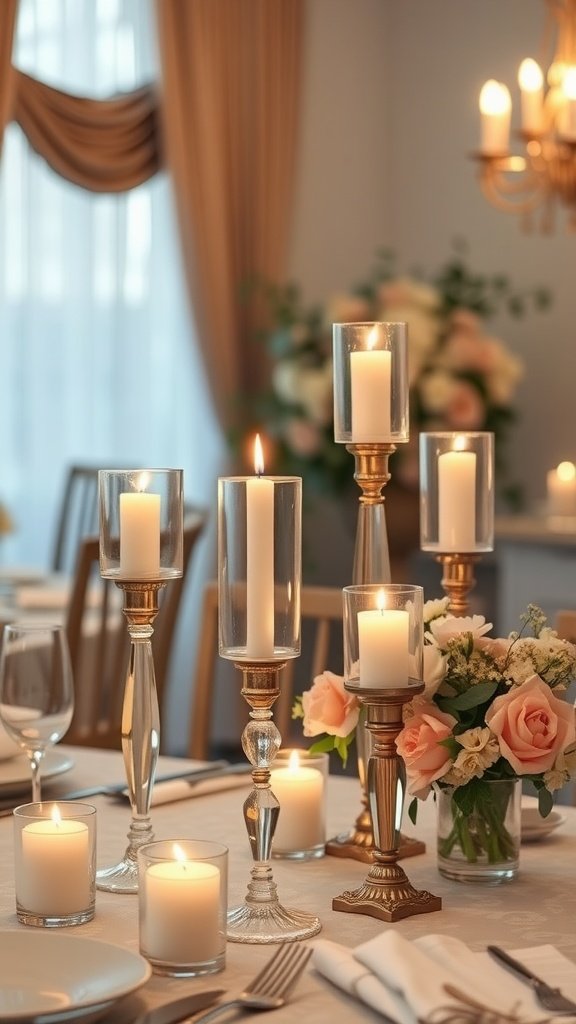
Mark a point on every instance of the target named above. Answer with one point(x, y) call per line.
point(479, 831)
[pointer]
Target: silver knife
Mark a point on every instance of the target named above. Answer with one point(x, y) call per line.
point(179, 1009)
point(550, 998)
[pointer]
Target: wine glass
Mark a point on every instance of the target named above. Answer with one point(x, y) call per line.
point(36, 689)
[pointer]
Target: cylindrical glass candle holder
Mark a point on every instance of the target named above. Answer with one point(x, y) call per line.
point(183, 897)
point(259, 560)
point(55, 863)
point(299, 779)
point(457, 492)
point(141, 517)
point(383, 635)
point(370, 383)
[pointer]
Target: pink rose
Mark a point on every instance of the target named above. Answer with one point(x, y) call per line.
point(303, 437)
point(532, 726)
point(465, 410)
point(328, 707)
point(419, 746)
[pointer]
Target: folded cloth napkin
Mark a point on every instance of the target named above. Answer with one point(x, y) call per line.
point(405, 981)
point(185, 789)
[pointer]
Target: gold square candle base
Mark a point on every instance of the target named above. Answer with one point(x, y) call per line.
point(388, 895)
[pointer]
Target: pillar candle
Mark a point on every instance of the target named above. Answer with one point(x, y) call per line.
point(181, 912)
point(53, 867)
point(259, 564)
point(370, 389)
point(300, 793)
point(495, 105)
point(383, 647)
point(139, 535)
point(530, 80)
point(457, 501)
point(561, 487)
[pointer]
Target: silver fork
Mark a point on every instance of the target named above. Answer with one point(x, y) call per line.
point(269, 989)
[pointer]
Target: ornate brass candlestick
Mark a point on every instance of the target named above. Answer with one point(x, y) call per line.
point(387, 893)
point(262, 918)
point(458, 580)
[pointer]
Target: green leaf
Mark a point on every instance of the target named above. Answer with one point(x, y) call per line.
point(413, 810)
point(545, 802)
point(478, 694)
point(321, 746)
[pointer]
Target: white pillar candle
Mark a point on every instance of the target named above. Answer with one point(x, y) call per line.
point(561, 487)
point(300, 793)
point(259, 562)
point(457, 501)
point(530, 80)
point(383, 647)
point(139, 535)
point(370, 393)
point(53, 876)
point(495, 106)
point(181, 912)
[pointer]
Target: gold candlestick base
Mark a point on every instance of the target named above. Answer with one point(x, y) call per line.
point(386, 893)
point(262, 918)
point(458, 579)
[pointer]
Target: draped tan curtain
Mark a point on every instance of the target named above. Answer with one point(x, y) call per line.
point(229, 113)
point(231, 74)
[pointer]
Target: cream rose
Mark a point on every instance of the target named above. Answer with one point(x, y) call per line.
point(532, 726)
point(419, 746)
point(434, 669)
point(328, 707)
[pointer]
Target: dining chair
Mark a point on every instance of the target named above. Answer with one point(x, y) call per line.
point(99, 642)
point(321, 609)
point(77, 515)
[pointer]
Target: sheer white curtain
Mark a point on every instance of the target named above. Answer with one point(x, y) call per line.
point(98, 364)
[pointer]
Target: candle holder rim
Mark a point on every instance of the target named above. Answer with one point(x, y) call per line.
point(456, 433)
point(414, 686)
point(390, 588)
point(218, 849)
point(139, 470)
point(66, 808)
point(370, 323)
point(239, 478)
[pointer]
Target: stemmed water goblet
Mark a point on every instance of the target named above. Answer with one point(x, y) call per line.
point(36, 690)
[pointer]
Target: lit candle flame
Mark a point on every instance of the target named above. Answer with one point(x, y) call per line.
point(494, 98)
point(372, 338)
point(460, 443)
point(294, 761)
point(381, 600)
point(142, 481)
point(56, 816)
point(258, 456)
point(566, 471)
point(179, 854)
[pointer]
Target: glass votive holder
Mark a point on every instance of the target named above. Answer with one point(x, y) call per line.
point(55, 863)
point(457, 492)
point(370, 383)
point(141, 523)
point(183, 902)
point(299, 780)
point(259, 567)
point(383, 635)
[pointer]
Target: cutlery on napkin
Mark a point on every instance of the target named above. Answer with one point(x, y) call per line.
point(549, 997)
point(406, 981)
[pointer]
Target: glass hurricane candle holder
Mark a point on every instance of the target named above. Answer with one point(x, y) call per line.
point(259, 570)
point(370, 383)
point(141, 540)
point(457, 506)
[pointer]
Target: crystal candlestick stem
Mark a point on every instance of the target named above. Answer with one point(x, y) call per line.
point(141, 551)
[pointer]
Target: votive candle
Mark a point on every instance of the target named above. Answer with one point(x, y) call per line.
point(299, 790)
point(181, 921)
point(53, 876)
point(457, 501)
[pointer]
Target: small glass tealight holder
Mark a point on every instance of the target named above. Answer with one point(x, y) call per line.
point(183, 902)
point(259, 544)
point(299, 780)
point(371, 383)
point(141, 517)
point(457, 492)
point(55, 863)
point(383, 636)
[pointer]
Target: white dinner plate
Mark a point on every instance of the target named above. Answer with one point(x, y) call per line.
point(15, 774)
point(46, 977)
point(533, 827)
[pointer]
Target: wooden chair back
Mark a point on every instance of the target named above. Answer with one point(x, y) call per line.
point(99, 643)
point(321, 609)
point(77, 517)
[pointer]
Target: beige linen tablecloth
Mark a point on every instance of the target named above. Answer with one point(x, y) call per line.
point(538, 908)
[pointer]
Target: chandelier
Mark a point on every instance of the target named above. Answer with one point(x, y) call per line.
point(544, 176)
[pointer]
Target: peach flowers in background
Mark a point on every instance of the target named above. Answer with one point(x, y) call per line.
point(329, 711)
point(461, 376)
point(493, 709)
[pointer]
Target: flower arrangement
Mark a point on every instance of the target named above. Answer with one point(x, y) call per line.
point(461, 377)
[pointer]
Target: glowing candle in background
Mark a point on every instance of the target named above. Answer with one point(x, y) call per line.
point(53, 876)
point(140, 532)
point(495, 106)
point(531, 81)
point(567, 114)
point(370, 385)
point(299, 790)
point(457, 501)
point(561, 488)
point(259, 560)
point(383, 646)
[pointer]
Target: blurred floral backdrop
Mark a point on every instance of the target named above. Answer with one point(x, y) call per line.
point(462, 377)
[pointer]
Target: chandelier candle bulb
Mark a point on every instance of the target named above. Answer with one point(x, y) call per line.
point(300, 793)
point(383, 643)
point(531, 80)
point(457, 501)
point(259, 561)
point(53, 867)
point(495, 107)
point(561, 488)
point(370, 387)
point(181, 915)
point(139, 535)
point(567, 125)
